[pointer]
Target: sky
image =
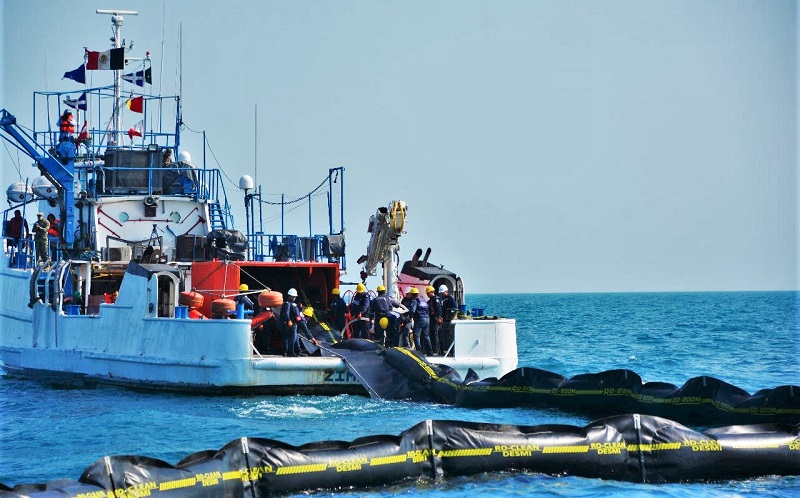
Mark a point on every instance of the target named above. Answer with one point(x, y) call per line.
point(541, 146)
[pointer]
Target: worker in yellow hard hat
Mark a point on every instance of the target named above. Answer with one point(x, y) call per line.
point(420, 313)
point(406, 324)
point(302, 328)
point(359, 311)
point(337, 311)
point(243, 299)
point(384, 319)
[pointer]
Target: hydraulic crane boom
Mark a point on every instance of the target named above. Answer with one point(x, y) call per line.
point(386, 226)
point(60, 171)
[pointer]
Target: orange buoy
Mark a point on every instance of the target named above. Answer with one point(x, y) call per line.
point(190, 299)
point(270, 299)
point(220, 307)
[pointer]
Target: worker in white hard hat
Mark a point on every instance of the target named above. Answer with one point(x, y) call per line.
point(449, 312)
point(290, 315)
point(359, 310)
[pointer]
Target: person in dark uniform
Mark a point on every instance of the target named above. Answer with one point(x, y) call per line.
point(381, 307)
point(435, 305)
point(359, 310)
point(406, 323)
point(243, 299)
point(337, 311)
point(421, 314)
point(265, 327)
point(289, 317)
point(449, 311)
point(302, 328)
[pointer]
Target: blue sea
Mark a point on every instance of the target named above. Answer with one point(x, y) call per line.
point(749, 339)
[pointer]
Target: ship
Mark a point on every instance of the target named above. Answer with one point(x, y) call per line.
point(145, 240)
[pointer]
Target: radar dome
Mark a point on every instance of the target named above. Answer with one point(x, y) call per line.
point(18, 192)
point(44, 188)
point(246, 182)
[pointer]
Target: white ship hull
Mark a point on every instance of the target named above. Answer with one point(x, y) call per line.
point(124, 344)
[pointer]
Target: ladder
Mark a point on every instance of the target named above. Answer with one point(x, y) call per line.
point(217, 215)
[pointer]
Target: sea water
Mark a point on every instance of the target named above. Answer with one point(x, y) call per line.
point(748, 339)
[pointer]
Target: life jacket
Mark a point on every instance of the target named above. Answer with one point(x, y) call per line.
point(67, 125)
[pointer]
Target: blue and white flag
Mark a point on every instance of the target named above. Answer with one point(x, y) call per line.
point(79, 103)
point(139, 77)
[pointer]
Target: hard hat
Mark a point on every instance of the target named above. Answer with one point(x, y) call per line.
point(335, 292)
point(429, 289)
point(244, 287)
point(292, 292)
point(40, 214)
point(413, 290)
point(308, 311)
point(442, 289)
point(360, 288)
point(381, 288)
point(383, 322)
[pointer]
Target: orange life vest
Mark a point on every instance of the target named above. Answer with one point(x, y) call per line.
point(67, 125)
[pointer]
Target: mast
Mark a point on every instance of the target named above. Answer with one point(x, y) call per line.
point(116, 42)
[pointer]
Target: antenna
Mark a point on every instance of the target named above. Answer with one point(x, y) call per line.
point(255, 147)
point(117, 21)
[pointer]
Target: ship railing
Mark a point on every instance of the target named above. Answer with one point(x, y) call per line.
point(21, 252)
point(281, 247)
point(156, 124)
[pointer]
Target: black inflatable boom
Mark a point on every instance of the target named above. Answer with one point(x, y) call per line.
point(633, 448)
point(399, 373)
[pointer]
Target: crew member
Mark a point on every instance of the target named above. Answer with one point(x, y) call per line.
point(52, 235)
point(14, 230)
point(265, 327)
point(40, 229)
point(406, 325)
point(243, 299)
point(302, 328)
point(359, 310)
point(435, 308)
point(449, 311)
point(66, 127)
point(381, 307)
point(289, 317)
point(420, 313)
point(337, 311)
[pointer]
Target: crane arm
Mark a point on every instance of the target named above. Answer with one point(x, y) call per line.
point(61, 173)
point(385, 227)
